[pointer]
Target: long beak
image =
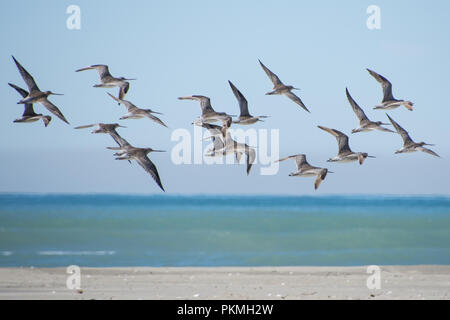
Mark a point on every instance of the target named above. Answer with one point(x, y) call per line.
point(296, 88)
point(429, 144)
point(156, 112)
point(386, 124)
point(121, 126)
point(57, 94)
point(130, 79)
point(371, 157)
point(158, 150)
point(330, 172)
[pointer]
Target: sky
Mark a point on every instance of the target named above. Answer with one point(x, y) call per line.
point(179, 48)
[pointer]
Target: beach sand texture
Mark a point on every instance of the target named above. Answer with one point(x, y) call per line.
point(397, 282)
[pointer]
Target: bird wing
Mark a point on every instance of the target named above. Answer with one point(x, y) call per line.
point(156, 119)
point(426, 150)
point(341, 138)
point(126, 103)
point(21, 91)
point(150, 168)
point(385, 84)
point(31, 84)
point(402, 132)
point(124, 144)
point(272, 76)
point(124, 89)
point(205, 102)
point(251, 155)
point(86, 126)
point(356, 108)
point(28, 111)
point(103, 70)
point(216, 135)
point(320, 177)
point(300, 160)
point(296, 99)
point(243, 104)
point(53, 109)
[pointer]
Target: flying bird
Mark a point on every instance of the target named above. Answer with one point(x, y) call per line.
point(108, 81)
point(126, 151)
point(408, 144)
point(304, 169)
point(280, 88)
point(137, 113)
point(37, 96)
point(245, 118)
point(231, 146)
point(209, 115)
point(364, 123)
point(216, 136)
point(389, 102)
point(28, 114)
point(345, 154)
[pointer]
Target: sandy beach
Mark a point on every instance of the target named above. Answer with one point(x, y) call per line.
point(397, 282)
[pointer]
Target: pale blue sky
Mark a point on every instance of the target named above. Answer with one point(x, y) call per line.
point(179, 48)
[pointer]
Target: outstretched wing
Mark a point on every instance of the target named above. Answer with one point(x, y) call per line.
point(385, 84)
point(156, 119)
point(28, 111)
point(341, 138)
point(402, 132)
point(53, 109)
point(86, 126)
point(356, 108)
point(296, 99)
point(251, 155)
point(205, 102)
point(243, 104)
point(320, 177)
point(426, 150)
point(103, 70)
point(272, 76)
point(150, 168)
point(31, 84)
point(126, 103)
point(300, 160)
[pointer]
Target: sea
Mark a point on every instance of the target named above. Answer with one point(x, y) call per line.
point(106, 230)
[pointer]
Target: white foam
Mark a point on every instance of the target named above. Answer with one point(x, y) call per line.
point(76, 253)
point(5, 253)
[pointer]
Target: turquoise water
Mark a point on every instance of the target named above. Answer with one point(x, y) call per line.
point(121, 230)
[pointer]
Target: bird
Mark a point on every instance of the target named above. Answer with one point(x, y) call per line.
point(109, 128)
point(364, 123)
point(216, 136)
point(108, 81)
point(280, 88)
point(35, 95)
point(126, 151)
point(304, 169)
point(137, 113)
point(208, 113)
point(28, 114)
point(389, 102)
point(345, 154)
point(408, 144)
point(231, 146)
point(245, 118)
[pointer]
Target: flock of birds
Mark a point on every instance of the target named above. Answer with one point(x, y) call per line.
point(222, 142)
